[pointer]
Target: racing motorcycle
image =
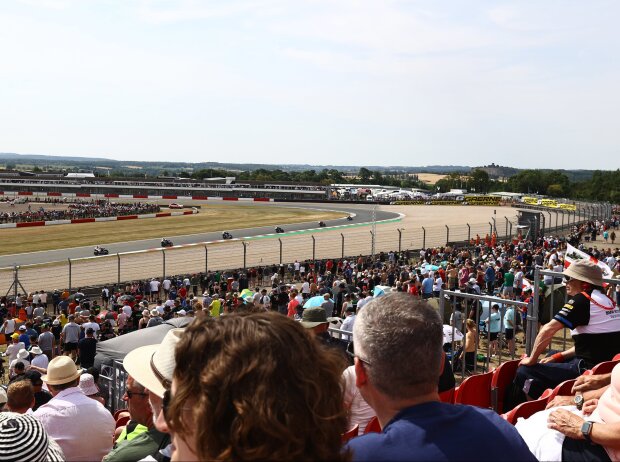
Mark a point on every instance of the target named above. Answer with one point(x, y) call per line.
point(226, 235)
point(322, 224)
point(166, 242)
point(100, 251)
point(279, 229)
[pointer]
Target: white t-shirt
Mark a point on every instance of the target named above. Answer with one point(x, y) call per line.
point(93, 325)
point(40, 361)
point(305, 288)
point(155, 286)
point(360, 411)
point(166, 284)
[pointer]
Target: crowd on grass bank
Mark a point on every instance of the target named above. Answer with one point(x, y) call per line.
point(77, 210)
point(256, 330)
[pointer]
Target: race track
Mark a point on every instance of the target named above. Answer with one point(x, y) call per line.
point(361, 213)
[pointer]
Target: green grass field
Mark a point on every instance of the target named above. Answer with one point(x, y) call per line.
point(211, 218)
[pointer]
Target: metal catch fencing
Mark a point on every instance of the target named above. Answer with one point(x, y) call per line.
point(455, 308)
point(244, 253)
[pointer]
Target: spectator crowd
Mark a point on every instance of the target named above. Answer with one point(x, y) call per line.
point(207, 390)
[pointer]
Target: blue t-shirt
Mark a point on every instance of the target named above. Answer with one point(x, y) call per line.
point(495, 323)
point(445, 432)
point(427, 285)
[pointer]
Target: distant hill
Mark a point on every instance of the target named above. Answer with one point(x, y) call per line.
point(30, 161)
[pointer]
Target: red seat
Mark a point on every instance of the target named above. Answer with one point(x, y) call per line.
point(350, 434)
point(118, 413)
point(502, 377)
point(605, 367)
point(475, 390)
point(563, 389)
point(525, 410)
point(373, 426)
point(447, 396)
point(121, 421)
point(616, 358)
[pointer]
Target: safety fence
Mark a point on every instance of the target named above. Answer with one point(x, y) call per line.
point(112, 385)
point(455, 308)
point(275, 249)
point(549, 296)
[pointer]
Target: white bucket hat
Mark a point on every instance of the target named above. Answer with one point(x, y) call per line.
point(22, 354)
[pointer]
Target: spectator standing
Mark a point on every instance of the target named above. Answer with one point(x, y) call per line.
point(70, 337)
point(88, 349)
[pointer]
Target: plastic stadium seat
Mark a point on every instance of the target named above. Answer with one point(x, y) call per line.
point(447, 396)
point(563, 389)
point(605, 367)
point(475, 391)
point(502, 377)
point(350, 434)
point(121, 421)
point(373, 426)
point(118, 413)
point(525, 410)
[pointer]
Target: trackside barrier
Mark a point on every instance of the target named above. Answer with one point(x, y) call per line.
point(258, 251)
point(469, 303)
point(535, 309)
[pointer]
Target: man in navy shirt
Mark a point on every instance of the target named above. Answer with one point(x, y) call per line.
point(398, 355)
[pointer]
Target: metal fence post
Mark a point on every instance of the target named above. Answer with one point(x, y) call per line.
point(163, 261)
point(118, 279)
point(494, 225)
point(342, 238)
point(490, 228)
point(506, 233)
point(245, 253)
point(372, 245)
point(423, 237)
point(562, 219)
point(400, 239)
point(69, 260)
point(206, 259)
point(468, 233)
point(447, 234)
point(280, 241)
point(556, 219)
point(313, 248)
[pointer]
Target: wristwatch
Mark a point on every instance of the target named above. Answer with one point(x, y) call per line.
point(578, 400)
point(586, 430)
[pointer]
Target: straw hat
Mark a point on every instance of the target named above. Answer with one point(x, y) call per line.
point(61, 370)
point(586, 271)
point(151, 365)
point(23, 437)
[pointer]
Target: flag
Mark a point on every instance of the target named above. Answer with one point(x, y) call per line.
point(573, 254)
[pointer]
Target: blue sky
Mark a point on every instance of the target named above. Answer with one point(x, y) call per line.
point(523, 83)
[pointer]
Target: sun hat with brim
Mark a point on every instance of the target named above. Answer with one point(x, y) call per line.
point(3, 397)
point(152, 365)
point(35, 350)
point(586, 271)
point(61, 370)
point(22, 354)
point(313, 317)
point(23, 437)
point(87, 385)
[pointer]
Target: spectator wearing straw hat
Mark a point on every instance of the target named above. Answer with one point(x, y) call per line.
point(23, 438)
point(594, 320)
point(81, 426)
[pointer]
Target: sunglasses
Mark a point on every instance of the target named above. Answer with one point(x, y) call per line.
point(351, 352)
point(131, 394)
point(567, 279)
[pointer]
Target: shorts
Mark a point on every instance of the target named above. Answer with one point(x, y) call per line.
point(509, 334)
point(70, 346)
point(508, 290)
point(518, 291)
point(493, 336)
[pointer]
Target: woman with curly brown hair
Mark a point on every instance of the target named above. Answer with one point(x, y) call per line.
point(254, 387)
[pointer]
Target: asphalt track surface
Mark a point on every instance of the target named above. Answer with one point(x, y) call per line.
point(362, 214)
